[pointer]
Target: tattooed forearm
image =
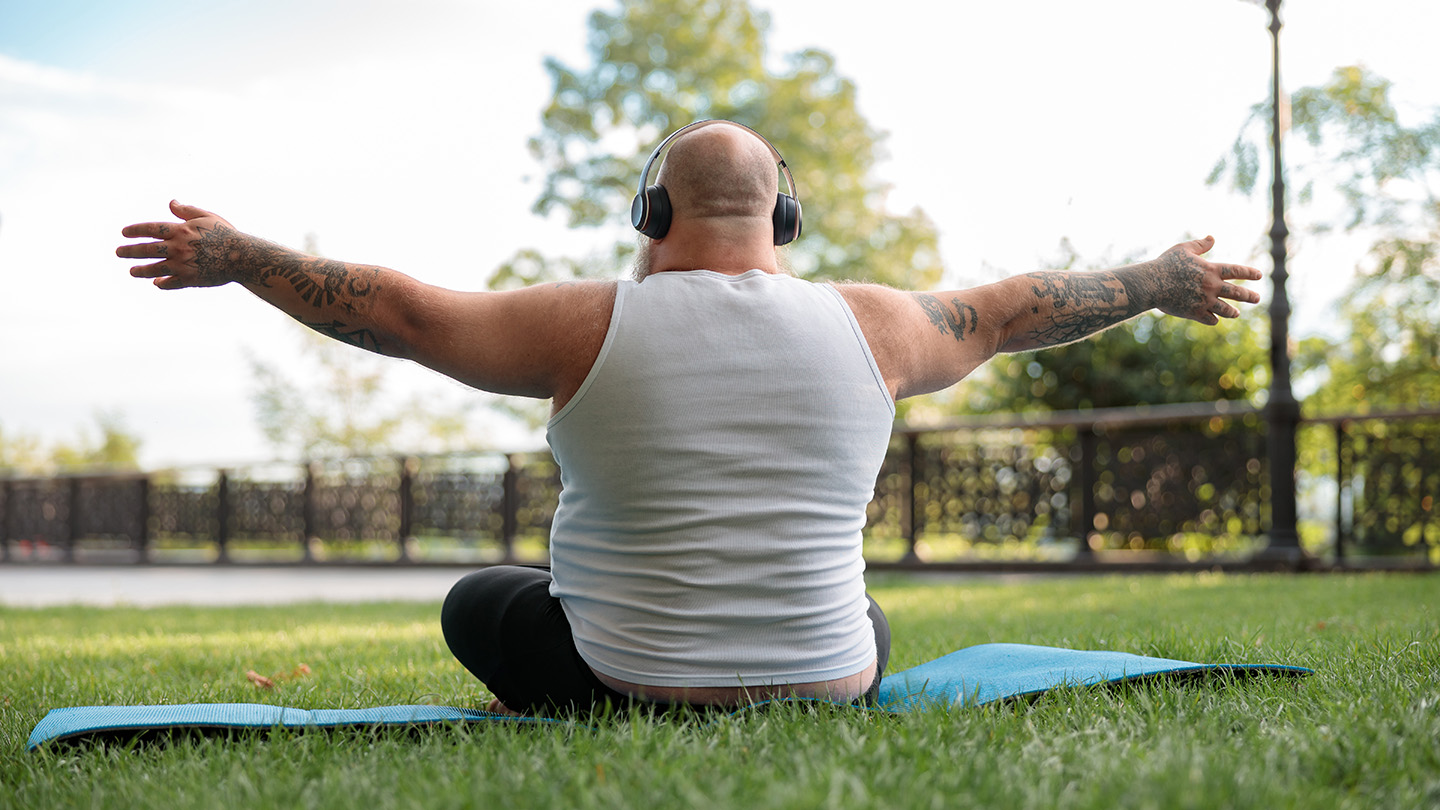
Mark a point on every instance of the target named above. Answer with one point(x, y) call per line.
point(355, 336)
point(959, 319)
point(224, 254)
point(320, 282)
point(336, 299)
point(1069, 306)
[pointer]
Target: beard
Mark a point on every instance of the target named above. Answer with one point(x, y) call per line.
point(644, 258)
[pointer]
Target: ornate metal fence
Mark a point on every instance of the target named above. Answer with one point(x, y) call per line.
point(1175, 484)
point(1185, 480)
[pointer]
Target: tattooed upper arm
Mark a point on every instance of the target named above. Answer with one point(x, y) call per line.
point(956, 319)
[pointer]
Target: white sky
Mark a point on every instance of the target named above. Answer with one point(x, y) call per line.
point(396, 131)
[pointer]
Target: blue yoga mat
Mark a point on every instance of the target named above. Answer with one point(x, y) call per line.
point(969, 677)
point(986, 673)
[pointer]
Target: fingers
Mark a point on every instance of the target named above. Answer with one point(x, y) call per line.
point(1240, 271)
point(152, 230)
point(173, 248)
point(1242, 294)
point(188, 212)
point(152, 270)
point(1201, 246)
point(143, 250)
point(1224, 310)
point(163, 230)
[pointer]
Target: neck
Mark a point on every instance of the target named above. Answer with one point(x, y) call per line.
point(723, 246)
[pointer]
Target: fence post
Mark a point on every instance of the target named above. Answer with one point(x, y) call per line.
point(407, 507)
point(915, 475)
point(1086, 478)
point(5, 521)
point(72, 519)
point(1340, 489)
point(307, 514)
point(509, 506)
point(222, 517)
point(1425, 502)
point(142, 536)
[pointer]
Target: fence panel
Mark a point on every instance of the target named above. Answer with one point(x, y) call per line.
point(1183, 482)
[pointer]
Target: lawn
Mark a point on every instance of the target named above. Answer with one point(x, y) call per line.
point(1362, 732)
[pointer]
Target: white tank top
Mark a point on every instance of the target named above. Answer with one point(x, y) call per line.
point(716, 465)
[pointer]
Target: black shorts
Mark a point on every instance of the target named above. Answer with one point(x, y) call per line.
point(505, 627)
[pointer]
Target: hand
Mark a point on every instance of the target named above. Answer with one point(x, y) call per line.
point(1190, 287)
point(199, 251)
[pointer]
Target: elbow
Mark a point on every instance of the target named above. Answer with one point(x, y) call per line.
point(410, 312)
point(1009, 338)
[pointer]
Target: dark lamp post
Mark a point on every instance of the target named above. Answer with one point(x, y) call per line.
point(1282, 412)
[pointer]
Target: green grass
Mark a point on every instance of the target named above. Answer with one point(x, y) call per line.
point(1362, 732)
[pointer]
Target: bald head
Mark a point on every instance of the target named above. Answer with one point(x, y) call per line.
point(720, 171)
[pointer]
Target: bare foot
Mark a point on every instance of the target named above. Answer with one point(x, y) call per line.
point(496, 707)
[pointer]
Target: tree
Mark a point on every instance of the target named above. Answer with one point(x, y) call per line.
point(660, 64)
point(345, 406)
point(114, 449)
point(21, 454)
point(1362, 169)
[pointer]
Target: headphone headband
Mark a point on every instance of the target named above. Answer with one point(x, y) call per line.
point(650, 210)
point(779, 159)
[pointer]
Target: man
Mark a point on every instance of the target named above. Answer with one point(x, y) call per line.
point(719, 426)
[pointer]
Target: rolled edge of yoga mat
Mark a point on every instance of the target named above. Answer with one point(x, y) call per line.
point(79, 721)
point(987, 673)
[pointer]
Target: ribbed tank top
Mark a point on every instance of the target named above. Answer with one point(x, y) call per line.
point(716, 465)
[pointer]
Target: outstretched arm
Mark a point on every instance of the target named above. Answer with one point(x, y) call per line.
point(527, 342)
point(929, 341)
point(1061, 307)
point(356, 304)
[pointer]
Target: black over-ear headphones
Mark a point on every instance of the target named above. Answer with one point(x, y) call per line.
point(650, 210)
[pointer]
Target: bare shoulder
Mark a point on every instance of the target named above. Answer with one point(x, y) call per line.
point(560, 293)
point(882, 315)
point(923, 341)
point(537, 341)
point(568, 322)
point(565, 322)
point(874, 305)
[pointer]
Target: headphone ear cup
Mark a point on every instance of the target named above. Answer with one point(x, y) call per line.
point(650, 212)
point(786, 218)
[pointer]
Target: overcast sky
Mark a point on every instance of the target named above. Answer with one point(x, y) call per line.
point(395, 133)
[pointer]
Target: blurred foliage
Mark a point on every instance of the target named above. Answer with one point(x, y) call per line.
point(1389, 356)
point(1150, 360)
point(1361, 168)
point(657, 65)
point(341, 404)
point(1357, 146)
point(111, 447)
point(336, 412)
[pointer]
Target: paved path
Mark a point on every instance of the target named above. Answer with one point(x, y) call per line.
point(27, 585)
point(39, 586)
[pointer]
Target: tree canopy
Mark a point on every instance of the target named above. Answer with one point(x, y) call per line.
point(1362, 168)
point(110, 448)
point(657, 65)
